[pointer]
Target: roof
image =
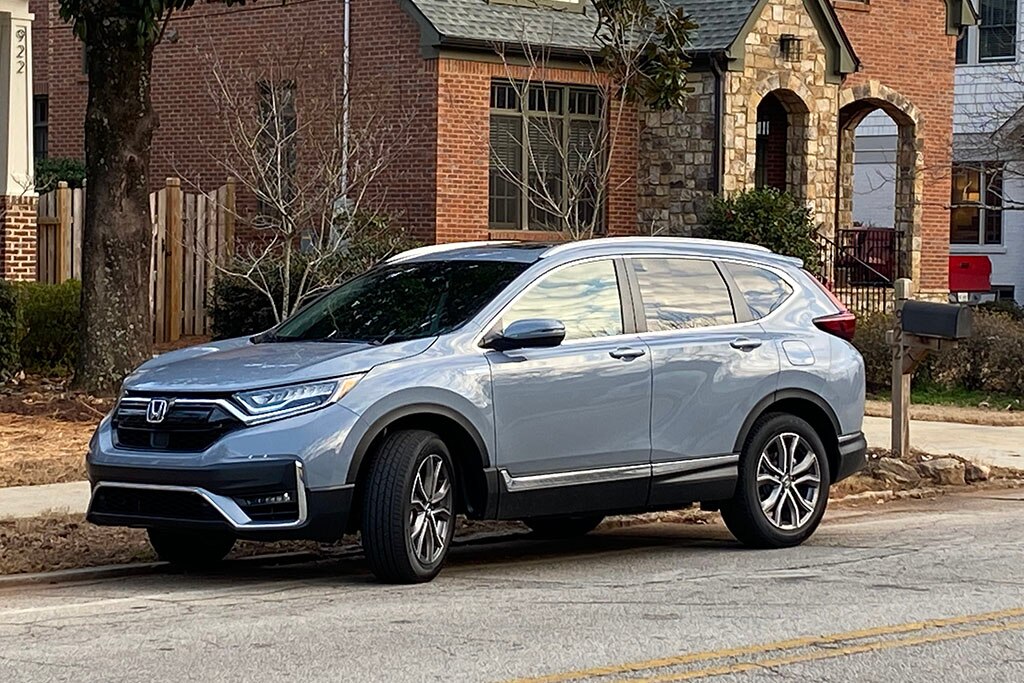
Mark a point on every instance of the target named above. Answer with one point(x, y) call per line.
point(470, 22)
point(493, 250)
point(723, 24)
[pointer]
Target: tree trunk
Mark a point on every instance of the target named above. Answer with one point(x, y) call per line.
point(115, 334)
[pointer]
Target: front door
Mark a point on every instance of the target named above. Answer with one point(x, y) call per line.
point(572, 423)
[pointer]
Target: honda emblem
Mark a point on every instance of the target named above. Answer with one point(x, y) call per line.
point(157, 409)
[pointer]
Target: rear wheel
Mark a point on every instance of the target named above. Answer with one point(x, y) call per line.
point(783, 483)
point(191, 549)
point(409, 507)
point(563, 527)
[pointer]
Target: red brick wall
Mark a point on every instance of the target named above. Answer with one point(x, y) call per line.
point(903, 45)
point(18, 238)
point(463, 144)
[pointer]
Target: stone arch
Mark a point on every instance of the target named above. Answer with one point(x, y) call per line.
point(798, 102)
point(855, 103)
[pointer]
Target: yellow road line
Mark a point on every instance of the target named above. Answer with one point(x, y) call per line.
point(791, 644)
point(876, 646)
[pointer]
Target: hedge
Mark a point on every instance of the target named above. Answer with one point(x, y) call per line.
point(992, 359)
point(39, 327)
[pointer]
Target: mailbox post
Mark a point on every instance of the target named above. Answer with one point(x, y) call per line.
point(920, 328)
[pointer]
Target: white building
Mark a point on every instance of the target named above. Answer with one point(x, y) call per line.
point(987, 219)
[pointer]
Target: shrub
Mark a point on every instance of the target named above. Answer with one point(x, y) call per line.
point(238, 308)
point(1005, 306)
point(51, 170)
point(10, 330)
point(767, 217)
point(50, 315)
point(991, 360)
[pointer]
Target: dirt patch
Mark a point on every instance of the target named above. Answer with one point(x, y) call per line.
point(41, 450)
point(940, 413)
point(33, 395)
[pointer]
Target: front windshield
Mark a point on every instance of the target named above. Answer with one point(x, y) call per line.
point(400, 301)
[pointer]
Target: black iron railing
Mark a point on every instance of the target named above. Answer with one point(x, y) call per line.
point(860, 266)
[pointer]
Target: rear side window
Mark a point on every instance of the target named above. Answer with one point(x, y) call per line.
point(584, 297)
point(763, 290)
point(682, 294)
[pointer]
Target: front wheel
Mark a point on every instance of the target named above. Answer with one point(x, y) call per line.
point(191, 549)
point(409, 507)
point(782, 489)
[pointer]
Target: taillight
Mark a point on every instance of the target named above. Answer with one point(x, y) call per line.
point(842, 324)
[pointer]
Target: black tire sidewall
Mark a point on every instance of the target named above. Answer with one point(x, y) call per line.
point(747, 498)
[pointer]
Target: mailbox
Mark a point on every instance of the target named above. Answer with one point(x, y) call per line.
point(937, 321)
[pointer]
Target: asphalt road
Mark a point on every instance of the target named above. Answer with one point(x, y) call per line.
point(926, 591)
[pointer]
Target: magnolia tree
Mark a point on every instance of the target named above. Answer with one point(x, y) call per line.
point(551, 145)
point(315, 214)
point(119, 38)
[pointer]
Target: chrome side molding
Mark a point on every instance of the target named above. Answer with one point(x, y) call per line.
point(533, 482)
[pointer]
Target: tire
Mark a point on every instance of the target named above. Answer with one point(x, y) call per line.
point(191, 549)
point(563, 527)
point(407, 530)
point(799, 502)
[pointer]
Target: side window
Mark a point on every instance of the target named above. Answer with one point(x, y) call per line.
point(764, 290)
point(585, 297)
point(681, 294)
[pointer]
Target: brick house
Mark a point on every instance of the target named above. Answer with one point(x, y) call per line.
point(779, 87)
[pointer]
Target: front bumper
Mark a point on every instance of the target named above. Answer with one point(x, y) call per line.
point(264, 500)
point(853, 455)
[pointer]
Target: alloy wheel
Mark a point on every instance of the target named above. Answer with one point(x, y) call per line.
point(430, 514)
point(788, 481)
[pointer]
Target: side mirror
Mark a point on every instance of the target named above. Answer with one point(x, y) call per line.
point(527, 334)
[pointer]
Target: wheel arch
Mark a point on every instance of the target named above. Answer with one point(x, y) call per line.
point(465, 444)
point(806, 405)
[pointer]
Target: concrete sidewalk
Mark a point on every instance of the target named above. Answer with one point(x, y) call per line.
point(32, 501)
point(1003, 446)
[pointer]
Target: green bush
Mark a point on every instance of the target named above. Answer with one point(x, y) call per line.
point(51, 170)
point(50, 316)
point(767, 217)
point(10, 330)
point(991, 360)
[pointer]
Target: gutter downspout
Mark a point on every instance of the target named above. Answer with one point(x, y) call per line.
point(719, 109)
point(345, 124)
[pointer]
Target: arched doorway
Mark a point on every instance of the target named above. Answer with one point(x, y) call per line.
point(781, 146)
point(878, 209)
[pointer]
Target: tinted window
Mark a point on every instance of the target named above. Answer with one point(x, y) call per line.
point(681, 294)
point(763, 290)
point(584, 297)
point(401, 301)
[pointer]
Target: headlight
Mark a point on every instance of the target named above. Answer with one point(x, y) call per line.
point(268, 404)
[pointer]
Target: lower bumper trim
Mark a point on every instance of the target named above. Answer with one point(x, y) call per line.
point(853, 455)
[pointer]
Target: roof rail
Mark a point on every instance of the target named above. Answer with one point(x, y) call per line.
point(653, 242)
point(441, 248)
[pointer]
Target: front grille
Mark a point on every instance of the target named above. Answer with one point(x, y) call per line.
point(153, 504)
point(185, 428)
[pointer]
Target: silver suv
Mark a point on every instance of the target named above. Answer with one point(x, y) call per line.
point(500, 380)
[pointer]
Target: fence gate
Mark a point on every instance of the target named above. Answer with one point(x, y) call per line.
point(193, 233)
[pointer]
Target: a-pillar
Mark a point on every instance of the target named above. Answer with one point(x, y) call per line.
point(17, 192)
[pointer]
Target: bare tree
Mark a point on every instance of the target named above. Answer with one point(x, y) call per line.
point(310, 175)
point(550, 153)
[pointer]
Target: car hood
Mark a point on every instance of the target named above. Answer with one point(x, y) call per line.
point(238, 364)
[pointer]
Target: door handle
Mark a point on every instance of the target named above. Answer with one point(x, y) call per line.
point(745, 343)
point(626, 353)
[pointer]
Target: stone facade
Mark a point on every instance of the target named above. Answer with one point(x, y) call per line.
point(18, 238)
point(804, 90)
point(676, 170)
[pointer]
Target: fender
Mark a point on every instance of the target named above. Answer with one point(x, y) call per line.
point(381, 423)
point(775, 397)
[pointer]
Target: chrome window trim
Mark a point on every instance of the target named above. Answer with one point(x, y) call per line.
point(600, 475)
point(228, 508)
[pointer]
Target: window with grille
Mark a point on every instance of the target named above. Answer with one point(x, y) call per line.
point(997, 31)
point(41, 126)
point(546, 157)
point(277, 143)
point(977, 204)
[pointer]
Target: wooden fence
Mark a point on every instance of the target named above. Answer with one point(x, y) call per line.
point(193, 233)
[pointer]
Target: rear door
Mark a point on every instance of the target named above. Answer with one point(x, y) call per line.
point(711, 364)
point(572, 423)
